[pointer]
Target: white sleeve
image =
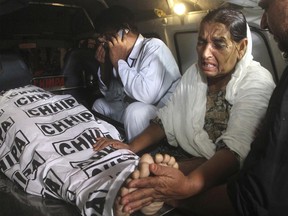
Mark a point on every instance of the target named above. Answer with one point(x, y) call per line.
point(248, 110)
point(145, 81)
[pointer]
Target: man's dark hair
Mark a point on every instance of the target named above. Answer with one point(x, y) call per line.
point(115, 18)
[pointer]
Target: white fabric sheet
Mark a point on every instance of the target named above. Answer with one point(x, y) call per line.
point(46, 148)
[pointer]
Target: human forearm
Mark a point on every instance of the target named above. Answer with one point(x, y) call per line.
point(215, 200)
point(164, 184)
point(151, 135)
point(139, 87)
point(145, 83)
point(216, 170)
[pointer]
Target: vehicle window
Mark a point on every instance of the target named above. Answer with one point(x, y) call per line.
point(186, 42)
point(42, 61)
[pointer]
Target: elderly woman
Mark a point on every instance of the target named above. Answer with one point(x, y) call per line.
point(214, 113)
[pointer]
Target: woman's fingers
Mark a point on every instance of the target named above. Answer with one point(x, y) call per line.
point(102, 142)
point(138, 202)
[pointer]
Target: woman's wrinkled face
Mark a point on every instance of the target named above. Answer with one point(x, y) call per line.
point(217, 52)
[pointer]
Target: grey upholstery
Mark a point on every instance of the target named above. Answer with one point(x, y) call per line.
point(79, 65)
point(80, 72)
point(14, 72)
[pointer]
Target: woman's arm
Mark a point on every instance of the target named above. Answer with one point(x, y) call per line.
point(168, 183)
point(151, 135)
point(216, 170)
point(214, 201)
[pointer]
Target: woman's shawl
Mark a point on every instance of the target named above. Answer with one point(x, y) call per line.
point(248, 91)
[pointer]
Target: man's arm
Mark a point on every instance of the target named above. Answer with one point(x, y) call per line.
point(105, 70)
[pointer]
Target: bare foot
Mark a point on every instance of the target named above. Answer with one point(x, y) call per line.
point(142, 172)
point(164, 160)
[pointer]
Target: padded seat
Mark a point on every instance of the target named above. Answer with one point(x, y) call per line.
point(14, 72)
point(80, 72)
point(79, 65)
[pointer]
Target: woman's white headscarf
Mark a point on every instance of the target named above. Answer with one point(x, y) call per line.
point(248, 91)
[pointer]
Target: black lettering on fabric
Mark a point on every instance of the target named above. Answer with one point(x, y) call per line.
point(96, 171)
point(8, 161)
point(4, 127)
point(20, 179)
point(19, 144)
point(12, 157)
point(53, 186)
point(65, 149)
point(80, 144)
point(97, 156)
point(35, 162)
point(82, 141)
point(71, 196)
point(14, 94)
point(30, 91)
point(60, 126)
point(97, 168)
point(3, 166)
point(28, 99)
point(104, 152)
point(52, 107)
point(53, 183)
point(81, 164)
point(1, 112)
point(47, 194)
point(96, 202)
point(108, 135)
